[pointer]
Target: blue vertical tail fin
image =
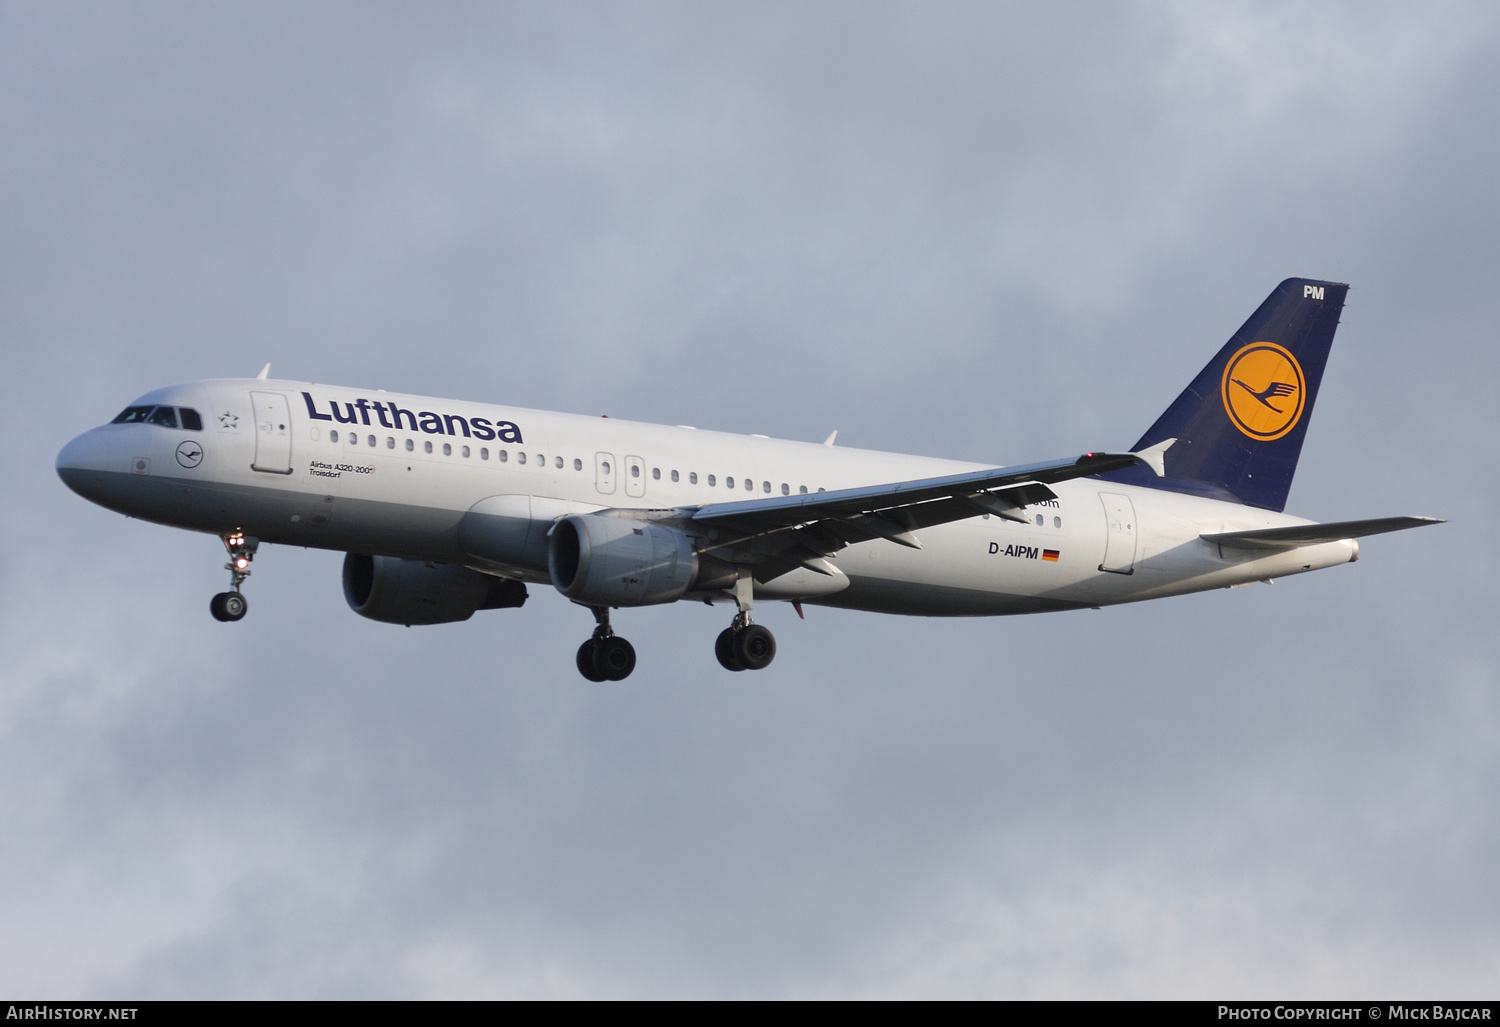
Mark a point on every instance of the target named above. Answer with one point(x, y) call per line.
point(1239, 426)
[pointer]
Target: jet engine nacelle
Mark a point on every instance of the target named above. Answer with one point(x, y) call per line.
point(397, 591)
point(615, 561)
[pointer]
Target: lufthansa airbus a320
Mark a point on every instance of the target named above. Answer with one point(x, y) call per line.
point(445, 508)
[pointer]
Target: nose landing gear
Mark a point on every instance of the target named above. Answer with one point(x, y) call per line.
point(606, 656)
point(231, 605)
point(745, 645)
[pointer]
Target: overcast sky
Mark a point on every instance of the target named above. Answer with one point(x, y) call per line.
point(994, 232)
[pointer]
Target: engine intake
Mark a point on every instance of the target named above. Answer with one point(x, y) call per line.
point(398, 591)
point(615, 561)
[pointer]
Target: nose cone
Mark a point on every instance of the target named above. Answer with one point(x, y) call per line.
point(82, 464)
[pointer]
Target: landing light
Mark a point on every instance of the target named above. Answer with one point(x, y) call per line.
point(242, 563)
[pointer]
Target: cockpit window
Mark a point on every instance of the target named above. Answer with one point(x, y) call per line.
point(133, 415)
point(190, 419)
point(164, 416)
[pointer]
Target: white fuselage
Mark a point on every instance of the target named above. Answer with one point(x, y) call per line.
point(400, 477)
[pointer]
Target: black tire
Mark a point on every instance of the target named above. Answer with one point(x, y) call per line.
point(228, 606)
point(724, 650)
point(755, 647)
point(233, 605)
point(614, 658)
point(586, 661)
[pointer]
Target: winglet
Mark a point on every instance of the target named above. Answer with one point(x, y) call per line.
point(1155, 457)
point(833, 435)
point(263, 372)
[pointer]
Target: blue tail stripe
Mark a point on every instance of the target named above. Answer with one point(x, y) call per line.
point(1239, 430)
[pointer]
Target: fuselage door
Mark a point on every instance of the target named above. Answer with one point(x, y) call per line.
point(635, 477)
point(604, 473)
point(1119, 542)
point(273, 433)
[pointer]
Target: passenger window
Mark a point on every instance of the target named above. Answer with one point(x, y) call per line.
point(520, 458)
point(133, 415)
point(372, 442)
point(802, 490)
point(190, 419)
point(541, 459)
point(577, 464)
point(786, 490)
point(447, 449)
point(728, 482)
point(656, 474)
point(710, 481)
point(604, 467)
point(692, 477)
point(558, 462)
point(765, 487)
point(822, 490)
point(1038, 520)
point(502, 455)
point(465, 452)
point(409, 445)
point(1057, 522)
point(164, 416)
point(427, 446)
point(390, 443)
point(674, 475)
point(333, 435)
point(635, 470)
point(484, 453)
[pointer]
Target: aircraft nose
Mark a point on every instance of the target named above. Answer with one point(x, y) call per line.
point(83, 462)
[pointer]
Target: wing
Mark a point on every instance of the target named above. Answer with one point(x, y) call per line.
point(1311, 534)
point(783, 532)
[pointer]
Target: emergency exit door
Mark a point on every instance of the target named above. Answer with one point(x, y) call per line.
point(604, 473)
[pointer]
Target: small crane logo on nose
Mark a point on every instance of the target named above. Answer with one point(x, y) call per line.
point(189, 454)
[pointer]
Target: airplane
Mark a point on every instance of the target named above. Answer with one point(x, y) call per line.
point(444, 508)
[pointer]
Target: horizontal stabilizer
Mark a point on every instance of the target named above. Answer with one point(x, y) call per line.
point(1312, 534)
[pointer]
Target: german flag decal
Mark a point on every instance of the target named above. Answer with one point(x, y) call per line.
point(1050, 555)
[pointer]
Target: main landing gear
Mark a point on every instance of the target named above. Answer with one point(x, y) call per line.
point(231, 605)
point(606, 656)
point(743, 645)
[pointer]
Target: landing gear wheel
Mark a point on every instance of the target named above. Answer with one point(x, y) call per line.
point(614, 658)
point(755, 646)
point(231, 605)
point(724, 650)
point(586, 661)
point(228, 606)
